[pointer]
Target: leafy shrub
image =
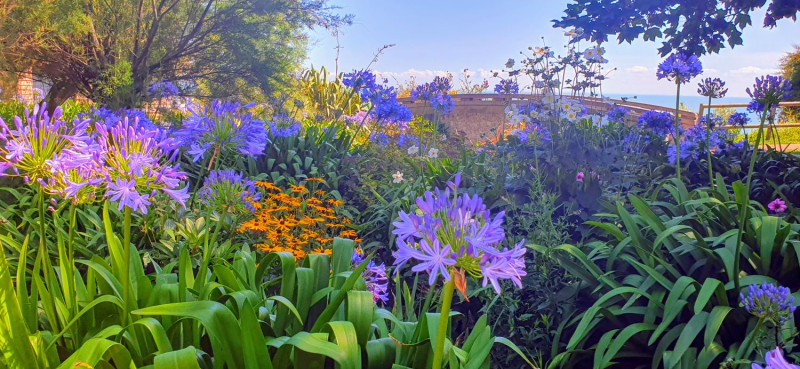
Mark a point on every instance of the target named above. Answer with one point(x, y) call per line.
point(659, 288)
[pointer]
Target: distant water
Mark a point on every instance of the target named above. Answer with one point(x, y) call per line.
point(691, 102)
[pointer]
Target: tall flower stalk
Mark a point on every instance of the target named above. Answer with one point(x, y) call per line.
point(767, 92)
point(680, 68)
point(455, 236)
point(713, 89)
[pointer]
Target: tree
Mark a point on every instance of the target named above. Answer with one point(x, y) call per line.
point(790, 65)
point(693, 26)
point(110, 50)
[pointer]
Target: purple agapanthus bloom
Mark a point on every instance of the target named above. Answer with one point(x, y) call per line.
point(386, 108)
point(282, 126)
point(110, 118)
point(375, 278)
point(712, 87)
point(161, 89)
point(738, 119)
point(660, 123)
point(405, 140)
point(456, 231)
point(228, 191)
point(679, 67)
point(533, 133)
point(617, 114)
point(775, 360)
point(768, 91)
point(363, 82)
point(437, 93)
point(769, 301)
point(693, 143)
point(224, 127)
point(506, 87)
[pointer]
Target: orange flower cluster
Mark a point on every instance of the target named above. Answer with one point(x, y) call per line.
point(300, 220)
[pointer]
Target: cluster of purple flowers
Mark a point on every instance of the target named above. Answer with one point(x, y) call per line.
point(775, 360)
point(714, 122)
point(404, 140)
point(617, 114)
point(223, 127)
point(768, 301)
point(712, 87)
point(659, 122)
point(767, 91)
point(375, 278)
point(693, 144)
point(382, 98)
point(506, 87)
point(679, 67)
point(229, 191)
point(636, 141)
point(282, 126)
point(437, 93)
point(533, 133)
point(161, 89)
point(110, 118)
point(380, 138)
point(738, 119)
point(457, 232)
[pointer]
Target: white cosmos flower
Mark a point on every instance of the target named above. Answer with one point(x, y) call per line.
point(549, 98)
point(398, 177)
point(570, 115)
point(413, 150)
point(433, 153)
point(591, 53)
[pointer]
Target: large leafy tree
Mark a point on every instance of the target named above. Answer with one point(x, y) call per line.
point(790, 66)
point(110, 50)
point(694, 26)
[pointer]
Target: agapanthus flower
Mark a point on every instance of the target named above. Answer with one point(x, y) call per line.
point(456, 233)
point(134, 165)
point(767, 301)
point(533, 133)
point(635, 141)
point(693, 143)
point(714, 122)
point(775, 360)
point(738, 119)
point(282, 126)
point(109, 118)
point(33, 148)
point(679, 67)
point(712, 87)
point(230, 192)
point(162, 89)
point(617, 114)
point(363, 82)
point(386, 108)
point(660, 123)
point(37, 93)
point(222, 127)
point(777, 206)
point(437, 93)
point(506, 87)
point(380, 138)
point(375, 278)
point(405, 139)
point(768, 91)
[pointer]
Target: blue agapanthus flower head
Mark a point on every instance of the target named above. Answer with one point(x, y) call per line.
point(437, 93)
point(693, 143)
point(407, 140)
point(363, 82)
point(161, 89)
point(386, 108)
point(767, 91)
point(110, 118)
point(222, 127)
point(714, 122)
point(456, 233)
point(375, 278)
point(380, 138)
point(533, 133)
point(229, 192)
point(283, 126)
point(659, 122)
point(617, 114)
point(769, 301)
point(679, 67)
point(712, 87)
point(738, 119)
point(636, 141)
point(506, 87)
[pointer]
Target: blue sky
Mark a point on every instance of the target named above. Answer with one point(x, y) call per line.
point(437, 36)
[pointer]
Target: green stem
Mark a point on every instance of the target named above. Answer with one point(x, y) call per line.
point(444, 320)
point(42, 224)
point(71, 253)
point(126, 266)
point(708, 145)
point(678, 131)
point(749, 340)
point(743, 208)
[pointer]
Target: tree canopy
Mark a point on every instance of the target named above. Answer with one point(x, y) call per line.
point(110, 50)
point(691, 26)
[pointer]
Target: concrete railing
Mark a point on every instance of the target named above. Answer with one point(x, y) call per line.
point(479, 116)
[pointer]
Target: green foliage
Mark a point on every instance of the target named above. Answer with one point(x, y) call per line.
point(326, 97)
point(659, 288)
point(790, 66)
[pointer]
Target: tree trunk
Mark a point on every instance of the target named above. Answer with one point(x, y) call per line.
point(58, 94)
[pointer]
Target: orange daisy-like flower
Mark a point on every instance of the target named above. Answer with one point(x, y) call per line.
point(335, 225)
point(336, 203)
point(321, 250)
point(324, 240)
point(320, 193)
point(315, 180)
point(348, 233)
point(314, 201)
point(267, 185)
point(298, 189)
point(284, 224)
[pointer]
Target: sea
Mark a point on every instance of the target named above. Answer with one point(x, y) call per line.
point(692, 103)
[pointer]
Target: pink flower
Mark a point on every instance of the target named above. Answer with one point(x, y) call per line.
point(579, 177)
point(777, 206)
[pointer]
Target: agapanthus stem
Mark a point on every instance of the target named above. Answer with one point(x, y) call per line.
point(749, 340)
point(126, 266)
point(708, 145)
point(678, 131)
point(743, 208)
point(444, 320)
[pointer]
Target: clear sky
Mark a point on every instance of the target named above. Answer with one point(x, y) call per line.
point(433, 37)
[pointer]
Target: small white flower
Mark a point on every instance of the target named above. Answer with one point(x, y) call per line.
point(433, 153)
point(444, 137)
point(398, 177)
point(549, 98)
point(591, 53)
point(570, 115)
point(413, 150)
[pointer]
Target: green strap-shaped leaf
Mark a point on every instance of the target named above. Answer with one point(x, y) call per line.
point(14, 343)
point(690, 332)
point(97, 350)
point(256, 355)
point(180, 359)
